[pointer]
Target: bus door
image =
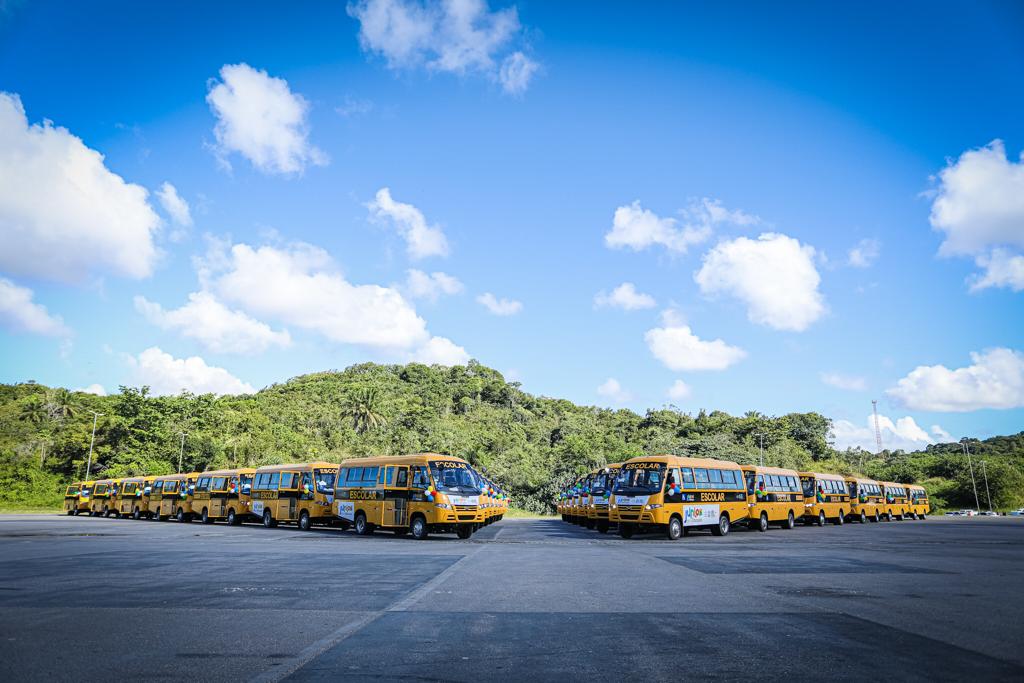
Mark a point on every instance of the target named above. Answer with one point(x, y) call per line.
point(395, 510)
point(288, 496)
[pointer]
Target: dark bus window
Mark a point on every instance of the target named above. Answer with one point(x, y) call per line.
point(275, 481)
point(716, 477)
point(688, 482)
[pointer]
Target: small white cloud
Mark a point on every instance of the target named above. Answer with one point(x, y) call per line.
point(995, 380)
point(259, 117)
point(431, 286)
point(499, 306)
point(1002, 269)
point(680, 349)
point(864, 254)
point(96, 389)
point(516, 73)
point(176, 207)
point(166, 375)
point(679, 391)
point(774, 276)
point(612, 390)
point(626, 297)
point(63, 213)
point(845, 382)
point(440, 351)
point(941, 435)
point(637, 228)
point(354, 107)
point(18, 312)
point(214, 325)
point(421, 240)
point(904, 434)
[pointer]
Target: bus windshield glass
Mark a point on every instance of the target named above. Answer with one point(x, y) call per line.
point(454, 476)
point(640, 478)
point(325, 480)
point(601, 483)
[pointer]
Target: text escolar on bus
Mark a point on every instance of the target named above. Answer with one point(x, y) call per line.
point(301, 493)
point(774, 496)
point(675, 494)
point(223, 495)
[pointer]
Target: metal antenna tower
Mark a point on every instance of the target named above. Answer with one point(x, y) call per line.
point(878, 432)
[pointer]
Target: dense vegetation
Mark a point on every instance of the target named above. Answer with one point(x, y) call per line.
point(531, 445)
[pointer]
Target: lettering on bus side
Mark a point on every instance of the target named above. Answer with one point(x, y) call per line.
point(712, 497)
point(264, 495)
point(449, 464)
point(357, 494)
point(643, 465)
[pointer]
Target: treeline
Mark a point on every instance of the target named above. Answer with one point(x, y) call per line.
point(530, 444)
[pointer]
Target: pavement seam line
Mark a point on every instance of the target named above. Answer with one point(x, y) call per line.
point(419, 593)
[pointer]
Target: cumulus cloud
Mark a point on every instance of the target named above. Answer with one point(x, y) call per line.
point(499, 306)
point(18, 312)
point(176, 207)
point(456, 36)
point(979, 206)
point(63, 214)
point(440, 351)
point(637, 228)
point(626, 297)
point(845, 382)
point(430, 286)
point(903, 434)
point(259, 117)
point(214, 325)
point(96, 389)
point(864, 254)
point(613, 391)
point(995, 379)
point(678, 348)
point(166, 375)
point(679, 391)
point(421, 240)
point(774, 276)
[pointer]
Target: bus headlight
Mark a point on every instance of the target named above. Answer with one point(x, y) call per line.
point(614, 506)
point(653, 506)
point(443, 506)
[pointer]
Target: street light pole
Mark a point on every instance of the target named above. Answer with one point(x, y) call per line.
point(760, 437)
point(182, 452)
point(88, 467)
point(967, 452)
point(988, 495)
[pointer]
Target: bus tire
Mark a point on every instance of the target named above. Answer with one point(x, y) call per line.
point(304, 522)
point(674, 530)
point(268, 519)
point(180, 515)
point(841, 519)
point(900, 517)
point(464, 531)
point(722, 528)
point(232, 518)
point(418, 528)
point(790, 522)
point(363, 528)
point(762, 522)
point(888, 516)
point(602, 527)
point(921, 516)
point(590, 523)
point(876, 519)
point(625, 530)
point(863, 518)
point(205, 517)
point(821, 518)
point(71, 513)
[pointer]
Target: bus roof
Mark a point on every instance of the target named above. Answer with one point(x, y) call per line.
point(295, 466)
point(824, 475)
point(177, 477)
point(859, 480)
point(683, 461)
point(758, 469)
point(415, 459)
point(228, 473)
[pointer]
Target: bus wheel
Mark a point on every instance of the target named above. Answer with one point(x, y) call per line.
point(602, 527)
point(921, 516)
point(722, 528)
point(136, 514)
point(790, 522)
point(232, 520)
point(464, 531)
point(899, 517)
point(625, 530)
point(674, 531)
point(876, 519)
point(180, 516)
point(590, 523)
point(863, 518)
point(418, 527)
point(888, 516)
point(840, 519)
point(363, 528)
point(268, 519)
point(821, 518)
point(205, 517)
point(304, 522)
point(71, 513)
point(762, 522)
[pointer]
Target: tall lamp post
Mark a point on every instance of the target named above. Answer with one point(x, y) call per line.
point(760, 437)
point(88, 467)
point(984, 472)
point(967, 452)
point(181, 453)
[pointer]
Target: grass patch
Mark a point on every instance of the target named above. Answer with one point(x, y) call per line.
point(28, 510)
point(516, 513)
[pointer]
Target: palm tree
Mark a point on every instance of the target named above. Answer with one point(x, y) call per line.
point(61, 404)
point(36, 411)
point(363, 408)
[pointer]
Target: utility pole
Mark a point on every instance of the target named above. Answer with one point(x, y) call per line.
point(967, 452)
point(878, 432)
point(988, 495)
point(182, 452)
point(760, 436)
point(88, 467)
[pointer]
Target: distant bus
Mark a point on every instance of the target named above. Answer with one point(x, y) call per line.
point(774, 496)
point(301, 493)
point(126, 498)
point(919, 505)
point(169, 497)
point(100, 503)
point(865, 499)
point(897, 500)
point(601, 482)
point(223, 495)
point(76, 497)
point(826, 498)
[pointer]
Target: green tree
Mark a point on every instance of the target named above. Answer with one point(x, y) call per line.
point(362, 406)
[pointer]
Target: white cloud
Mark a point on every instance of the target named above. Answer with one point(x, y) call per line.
point(625, 297)
point(1002, 269)
point(680, 349)
point(845, 382)
point(979, 206)
point(941, 435)
point(421, 240)
point(96, 389)
point(176, 207)
point(214, 325)
point(904, 434)
point(259, 117)
point(864, 254)
point(457, 36)
point(612, 390)
point(499, 306)
point(774, 276)
point(430, 286)
point(166, 375)
point(63, 214)
point(638, 228)
point(440, 351)
point(19, 312)
point(679, 391)
point(994, 380)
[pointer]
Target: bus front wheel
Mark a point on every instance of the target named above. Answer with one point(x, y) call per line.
point(625, 530)
point(722, 528)
point(418, 527)
point(762, 522)
point(674, 531)
point(304, 522)
point(268, 520)
point(840, 519)
point(821, 518)
point(464, 531)
point(363, 528)
point(232, 519)
point(790, 522)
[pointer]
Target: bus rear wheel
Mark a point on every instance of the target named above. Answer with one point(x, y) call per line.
point(232, 519)
point(304, 522)
point(790, 522)
point(722, 528)
point(840, 519)
point(418, 527)
point(464, 531)
point(821, 518)
point(762, 522)
point(625, 530)
point(674, 531)
point(363, 528)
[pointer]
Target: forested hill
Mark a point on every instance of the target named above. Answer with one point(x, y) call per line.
point(529, 444)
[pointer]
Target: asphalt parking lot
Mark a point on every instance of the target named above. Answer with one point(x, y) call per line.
point(89, 598)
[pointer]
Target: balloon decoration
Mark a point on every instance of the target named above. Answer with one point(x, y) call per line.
point(673, 489)
point(820, 497)
point(761, 492)
point(430, 493)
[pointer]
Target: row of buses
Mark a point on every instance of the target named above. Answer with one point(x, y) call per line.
point(414, 494)
point(674, 495)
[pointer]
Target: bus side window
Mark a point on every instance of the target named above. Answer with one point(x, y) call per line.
point(275, 481)
point(402, 480)
point(389, 475)
point(750, 483)
point(420, 480)
point(688, 479)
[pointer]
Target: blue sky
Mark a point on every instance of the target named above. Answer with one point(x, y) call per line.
point(806, 203)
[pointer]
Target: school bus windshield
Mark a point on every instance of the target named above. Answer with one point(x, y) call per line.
point(647, 479)
point(324, 480)
point(456, 477)
point(601, 483)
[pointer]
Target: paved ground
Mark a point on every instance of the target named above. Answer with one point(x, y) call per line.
point(107, 599)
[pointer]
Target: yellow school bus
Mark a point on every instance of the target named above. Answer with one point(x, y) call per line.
point(919, 506)
point(301, 493)
point(897, 500)
point(774, 496)
point(126, 498)
point(601, 482)
point(423, 494)
point(100, 503)
point(578, 502)
point(826, 498)
point(865, 499)
point(140, 506)
point(223, 494)
point(676, 494)
point(168, 497)
point(73, 497)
